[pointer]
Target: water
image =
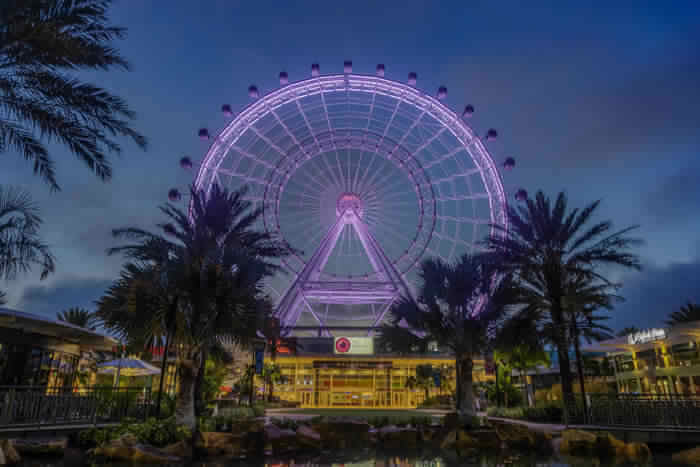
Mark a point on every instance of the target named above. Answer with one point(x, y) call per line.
point(379, 458)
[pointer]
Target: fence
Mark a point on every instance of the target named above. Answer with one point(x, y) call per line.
point(39, 406)
point(658, 410)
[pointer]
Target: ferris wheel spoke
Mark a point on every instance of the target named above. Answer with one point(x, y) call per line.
point(453, 177)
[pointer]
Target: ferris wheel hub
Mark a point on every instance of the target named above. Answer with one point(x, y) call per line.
point(350, 204)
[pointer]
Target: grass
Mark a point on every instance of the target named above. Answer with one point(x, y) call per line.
point(359, 413)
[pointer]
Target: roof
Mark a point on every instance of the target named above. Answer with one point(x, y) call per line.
point(46, 326)
point(677, 334)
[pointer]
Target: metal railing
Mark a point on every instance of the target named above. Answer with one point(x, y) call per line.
point(40, 406)
point(637, 410)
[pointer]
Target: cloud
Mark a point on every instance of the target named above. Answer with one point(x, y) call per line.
point(64, 293)
point(654, 293)
point(677, 198)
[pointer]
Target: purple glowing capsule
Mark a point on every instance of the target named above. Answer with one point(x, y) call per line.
point(226, 110)
point(174, 195)
point(509, 163)
point(468, 111)
point(491, 134)
point(203, 133)
point(186, 163)
point(442, 92)
point(521, 195)
point(284, 78)
point(253, 92)
point(315, 69)
point(412, 78)
point(380, 70)
point(347, 66)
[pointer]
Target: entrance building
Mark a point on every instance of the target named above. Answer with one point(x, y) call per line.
point(341, 372)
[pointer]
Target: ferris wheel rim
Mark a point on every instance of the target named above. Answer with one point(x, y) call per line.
point(448, 119)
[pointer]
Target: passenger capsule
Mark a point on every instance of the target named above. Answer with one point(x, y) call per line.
point(442, 92)
point(174, 195)
point(203, 133)
point(412, 78)
point(380, 70)
point(468, 111)
point(186, 163)
point(521, 195)
point(253, 92)
point(347, 67)
point(226, 110)
point(491, 135)
point(509, 163)
point(315, 69)
point(284, 78)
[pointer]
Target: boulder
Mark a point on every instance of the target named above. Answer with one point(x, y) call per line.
point(279, 440)
point(41, 447)
point(602, 445)
point(638, 453)
point(247, 425)
point(182, 449)
point(127, 448)
point(486, 438)
point(521, 437)
point(214, 443)
point(342, 433)
point(577, 443)
point(393, 436)
point(9, 453)
point(306, 436)
point(689, 456)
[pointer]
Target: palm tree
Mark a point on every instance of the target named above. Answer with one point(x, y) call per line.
point(79, 317)
point(626, 331)
point(271, 375)
point(424, 378)
point(42, 44)
point(522, 358)
point(544, 247)
point(445, 313)
point(687, 313)
point(221, 263)
point(20, 246)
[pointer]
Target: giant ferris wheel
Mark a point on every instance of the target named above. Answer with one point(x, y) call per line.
point(363, 176)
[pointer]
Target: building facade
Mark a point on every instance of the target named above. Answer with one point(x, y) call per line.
point(656, 361)
point(345, 372)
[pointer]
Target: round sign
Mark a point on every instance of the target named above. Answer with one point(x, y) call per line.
point(342, 345)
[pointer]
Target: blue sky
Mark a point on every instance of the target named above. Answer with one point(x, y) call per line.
point(599, 99)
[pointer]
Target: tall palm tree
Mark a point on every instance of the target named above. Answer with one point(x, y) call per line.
point(221, 263)
point(545, 245)
point(445, 312)
point(20, 246)
point(687, 313)
point(79, 317)
point(42, 44)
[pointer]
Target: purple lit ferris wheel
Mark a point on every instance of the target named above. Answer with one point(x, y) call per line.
point(364, 176)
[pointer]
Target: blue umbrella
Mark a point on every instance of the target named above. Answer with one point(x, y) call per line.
point(129, 367)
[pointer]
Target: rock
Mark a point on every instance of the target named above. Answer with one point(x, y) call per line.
point(9, 453)
point(306, 436)
point(214, 443)
point(121, 449)
point(182, 449)
point(449, 439)
point(577, 443)
point(342, 433)
point(638, 453)
point(279, 440)
point(41, 447)
point(248, 425)
point(607, 446)
point(486, 438)
point(393, 436)
point(520, 437)
point(689, 456)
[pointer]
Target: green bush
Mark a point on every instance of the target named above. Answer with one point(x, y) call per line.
point(505, 412)
point(550, 413)
point(437, 401)
point(285, 423)
point(155, 432)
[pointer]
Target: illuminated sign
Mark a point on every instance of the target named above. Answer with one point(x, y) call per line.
point(647, 335)
point(353, 345)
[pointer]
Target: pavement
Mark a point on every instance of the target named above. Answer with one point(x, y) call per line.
point(552, 428)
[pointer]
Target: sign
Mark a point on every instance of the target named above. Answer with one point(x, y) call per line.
point(353, 345)
point(647, 335)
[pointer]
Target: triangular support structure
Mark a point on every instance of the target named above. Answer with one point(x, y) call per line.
point(309, 288)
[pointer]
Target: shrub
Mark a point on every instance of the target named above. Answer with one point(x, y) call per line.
point(444, 400)
point(155, 432)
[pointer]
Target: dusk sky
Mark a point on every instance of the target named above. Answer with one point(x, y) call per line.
point(600, 99)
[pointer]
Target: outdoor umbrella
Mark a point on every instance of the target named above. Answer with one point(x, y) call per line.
point(128, 367)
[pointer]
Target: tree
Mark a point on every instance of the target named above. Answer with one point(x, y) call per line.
point(522, 358)
point(446, 312)
point(424, 378)
point(221, 263)
point(42, 43)
point(544, 247)
point(78, 317)
point(689, 312)
point(271, 375)
point(20, 246)
point(626, 331)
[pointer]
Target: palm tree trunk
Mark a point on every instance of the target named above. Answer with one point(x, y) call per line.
point(579, 366)
point(561, 342)
point(467, 387)
point(184, 403)
point(200, 404)
point(523, 381)
point(163, 371)
point(458, 385)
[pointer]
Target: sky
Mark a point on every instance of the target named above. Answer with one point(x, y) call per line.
point(597, 99)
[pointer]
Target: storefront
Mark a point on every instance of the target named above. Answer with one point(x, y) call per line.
point(346, 373)
point(656, 361)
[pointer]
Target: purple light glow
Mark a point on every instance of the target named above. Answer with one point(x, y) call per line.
point(315, 70)
point(412, 78)
point(442, 92)
point(521, 195)
point(380, 70)
point(186, 163)
point(509, 163)
point(347, 67)
point(174, 195)
point(284, 78)
point(203, 133)
point(253, 92)
point(468, 111)
point(491, 135)
point(226, 110)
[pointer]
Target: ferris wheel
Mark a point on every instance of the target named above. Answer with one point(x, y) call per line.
point(363, 176)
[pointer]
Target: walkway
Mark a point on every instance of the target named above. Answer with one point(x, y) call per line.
point(552, 428)
point(301, 414)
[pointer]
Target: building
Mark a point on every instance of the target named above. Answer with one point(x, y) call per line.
point(655, 361)
point(39, 351)
point(346, 372)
